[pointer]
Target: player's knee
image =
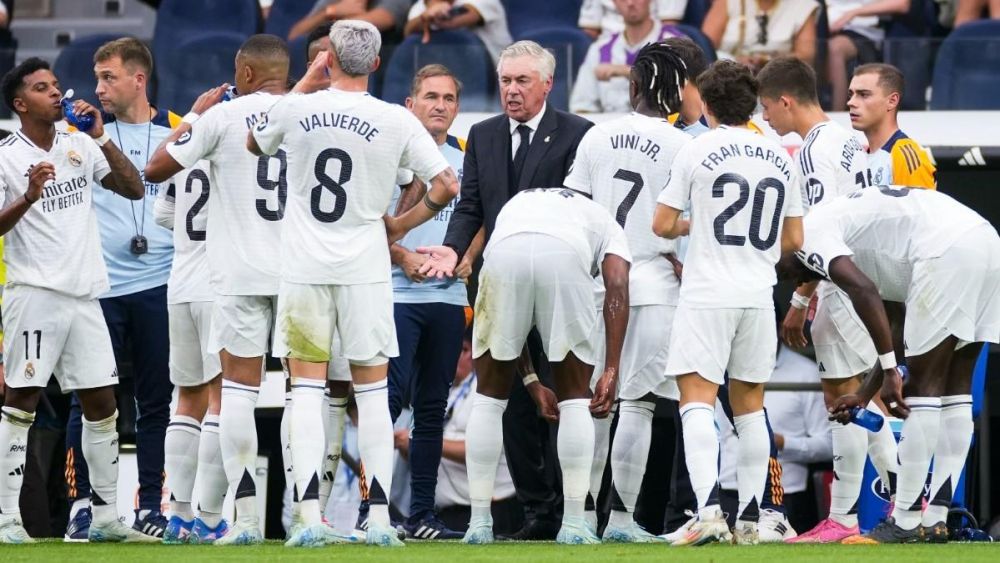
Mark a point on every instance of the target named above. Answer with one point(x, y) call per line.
point(338, 389)
point(98, 404)
point(23, 399)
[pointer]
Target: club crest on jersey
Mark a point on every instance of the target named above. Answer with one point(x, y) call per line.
point(185, 137)
point(814, 191)
point(75, 159)
point(29, 371)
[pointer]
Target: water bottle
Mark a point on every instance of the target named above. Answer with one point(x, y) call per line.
point(82, 123)
point(230, 94)
point(867, 419)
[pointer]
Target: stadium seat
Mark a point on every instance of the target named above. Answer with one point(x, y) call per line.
point(699, 37)
point(524, 16)
point(694, 12)
point(178, 20)
point(297, 54)
point(197, 63)
point(569, 45)
point(286, 13)
point(965, 74)
point(461, 51)
point(75, 66)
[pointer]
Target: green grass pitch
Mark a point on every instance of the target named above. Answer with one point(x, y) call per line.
point(57, 552)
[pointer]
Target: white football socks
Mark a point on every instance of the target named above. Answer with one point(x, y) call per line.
point(954, 439)
point(308, 400)
point(882, 451)
point(850, 449)
point(483, 446)
point(180, 461)
point(100, 450)
point(701, 450)
point(752, 460)
point(575, 448)
point(14, 425)
point(335, 416)
point(211, 479)
point(375, 444)
point(630, 450)
point(238, 441)
point(917, 442)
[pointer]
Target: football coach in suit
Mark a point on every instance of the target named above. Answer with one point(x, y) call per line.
point(529, 145)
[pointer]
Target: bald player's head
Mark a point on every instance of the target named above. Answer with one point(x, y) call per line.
point(261, 58)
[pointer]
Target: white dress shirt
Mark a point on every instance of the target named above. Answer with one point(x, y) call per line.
point(515, 137)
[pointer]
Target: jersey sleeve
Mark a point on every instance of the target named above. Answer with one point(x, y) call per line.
point(163, 208)
point(677, 192)
point(197, 143)
point(793, 195)
point(581, 170)
point(101, 166)
point(269, 133)
point(911, 166)
point(615, 241)
point(421, 154)
point(820, 182)
point(820, 246)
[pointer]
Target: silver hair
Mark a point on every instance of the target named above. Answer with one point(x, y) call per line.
point(357, 44)
point(545, 63)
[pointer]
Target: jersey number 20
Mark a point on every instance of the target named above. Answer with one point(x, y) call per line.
point(759, 194)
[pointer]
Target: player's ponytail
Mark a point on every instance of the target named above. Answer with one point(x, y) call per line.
point(660, 75)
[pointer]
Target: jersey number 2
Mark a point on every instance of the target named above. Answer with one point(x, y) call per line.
point(719, 190)
point(202, 177)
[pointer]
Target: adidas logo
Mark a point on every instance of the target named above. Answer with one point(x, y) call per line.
point(18, 471)
point(822, 368)
point(972, 157)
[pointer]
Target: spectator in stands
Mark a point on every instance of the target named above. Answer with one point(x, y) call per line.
point(452, 498)
point(4, 14)
point(486, 18)
point(138, 254)
point(972, 10)
point(603, 79)
point(754, 31)
point(855, 38)
point(801, 433)
point(389, 16)
point(600, 17)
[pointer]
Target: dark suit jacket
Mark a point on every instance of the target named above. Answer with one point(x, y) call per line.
point(486, 170)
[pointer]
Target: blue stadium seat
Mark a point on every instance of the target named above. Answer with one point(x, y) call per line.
point(461, 51)
point(177, 20)
point(197, 63)
point(75, 66)
point(965, 74)
point(694, 12)
point(286, 13)
point(569, 45)
point(702, 40)
point(297, 54)
point(524, 16)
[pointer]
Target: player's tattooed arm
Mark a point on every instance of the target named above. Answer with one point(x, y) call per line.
point(444, 188)
point(123, 179)
point(38, 175)
point(615, 271)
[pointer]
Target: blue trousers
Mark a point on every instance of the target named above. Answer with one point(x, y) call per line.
point(140, 334)
point(430, 342)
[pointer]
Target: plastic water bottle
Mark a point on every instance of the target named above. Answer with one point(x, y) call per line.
point(83, 122)
point(230, 94)
point(867, 419)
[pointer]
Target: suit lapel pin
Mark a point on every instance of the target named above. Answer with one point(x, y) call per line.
point(547, 138)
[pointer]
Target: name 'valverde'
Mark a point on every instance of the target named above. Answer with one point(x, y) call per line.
point(342, 121)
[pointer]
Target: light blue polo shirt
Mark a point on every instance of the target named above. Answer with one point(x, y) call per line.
point(119, 219)
point(451, 291)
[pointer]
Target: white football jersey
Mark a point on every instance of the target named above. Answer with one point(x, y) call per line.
point(344, 149)
point(886, 230)
point(185, 201)
point(249, 192)
point(739, 186)
point(623, 164)
point(55, 245)
point(567, 216)
point(831, 163)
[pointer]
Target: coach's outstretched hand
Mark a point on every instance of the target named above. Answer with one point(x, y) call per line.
point(441, 261)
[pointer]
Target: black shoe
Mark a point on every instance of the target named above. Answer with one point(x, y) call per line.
point(888, 532)
point(153, 525)
point(938, 533)
point(534, 530)
point(431, 528)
